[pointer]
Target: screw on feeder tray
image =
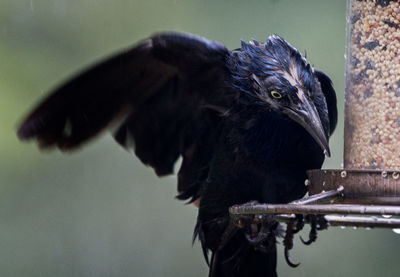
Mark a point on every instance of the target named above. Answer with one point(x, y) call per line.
point(360, 186)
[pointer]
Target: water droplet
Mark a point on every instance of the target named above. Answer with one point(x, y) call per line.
point(343, 174)
point(397, 230)
point(307, 182)
point(384, 174)
point(355, 227)
point(396, 175)
point(342, 227)
point(386, 216)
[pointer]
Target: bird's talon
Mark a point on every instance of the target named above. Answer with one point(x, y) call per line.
point(288, 243)
point(287, 258)
point(308, 242)
point(313, 232)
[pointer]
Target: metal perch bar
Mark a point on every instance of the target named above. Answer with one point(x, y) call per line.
point(323, 196)
point(333, 215)
point(357, 221)
point(313, 209)
point(309, 210)
point(351, 221)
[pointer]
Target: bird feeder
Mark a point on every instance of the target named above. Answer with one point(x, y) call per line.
point(366, 192)
point(372, 108)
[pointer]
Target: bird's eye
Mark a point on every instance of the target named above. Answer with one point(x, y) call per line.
point(276, 94)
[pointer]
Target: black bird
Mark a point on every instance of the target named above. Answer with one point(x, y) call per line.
point(248, 123)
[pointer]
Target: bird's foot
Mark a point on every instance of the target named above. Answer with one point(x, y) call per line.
point(257, 233)
point(312, 236)
point(258, 229)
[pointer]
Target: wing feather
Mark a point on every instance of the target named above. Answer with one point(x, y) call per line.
point(330, 97)
point(156, 93)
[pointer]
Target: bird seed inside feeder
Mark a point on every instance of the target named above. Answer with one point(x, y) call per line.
point(372, 128)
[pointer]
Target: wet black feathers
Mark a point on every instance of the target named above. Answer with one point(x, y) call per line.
point(162, 98)
point(178, 95)
point(329, 97)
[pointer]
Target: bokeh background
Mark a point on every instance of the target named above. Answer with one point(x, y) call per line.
point(99, 211)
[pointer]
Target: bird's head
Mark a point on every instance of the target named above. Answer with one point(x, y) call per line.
point(280, 78)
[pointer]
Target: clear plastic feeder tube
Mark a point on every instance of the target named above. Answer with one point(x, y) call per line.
point(372, 109)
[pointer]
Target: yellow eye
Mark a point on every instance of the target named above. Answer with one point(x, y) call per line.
point(276, 94)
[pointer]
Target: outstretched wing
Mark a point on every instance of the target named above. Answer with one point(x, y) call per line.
point(163, 98)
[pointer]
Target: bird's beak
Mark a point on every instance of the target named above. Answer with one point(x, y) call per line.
point(305, 113)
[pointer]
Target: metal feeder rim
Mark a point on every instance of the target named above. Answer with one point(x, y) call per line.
point(351, 170)
point(378, 187)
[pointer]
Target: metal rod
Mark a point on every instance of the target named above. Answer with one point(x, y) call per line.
point(352, 221)
point(358, 221)
point(313, 209)
point(326, 195)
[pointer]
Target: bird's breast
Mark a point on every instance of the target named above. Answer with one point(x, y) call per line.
point(281, 142)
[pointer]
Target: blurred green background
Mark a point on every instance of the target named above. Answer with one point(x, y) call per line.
point(99, 211)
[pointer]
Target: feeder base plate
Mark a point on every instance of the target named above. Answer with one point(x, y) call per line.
point(375, 187)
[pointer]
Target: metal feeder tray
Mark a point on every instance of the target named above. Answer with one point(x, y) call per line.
point(354, 198)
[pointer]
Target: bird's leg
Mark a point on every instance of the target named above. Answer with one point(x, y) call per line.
point(258, 231)
point(288, 243)
point(299, 223)
point(229, 232)
point(256, 228)
point(322, 223)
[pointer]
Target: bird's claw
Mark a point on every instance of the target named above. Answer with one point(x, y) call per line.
point(287, 258)
point(307, 242)
point(288, 243)
point(257, 231)
point(317, 223)
point(312, 237)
